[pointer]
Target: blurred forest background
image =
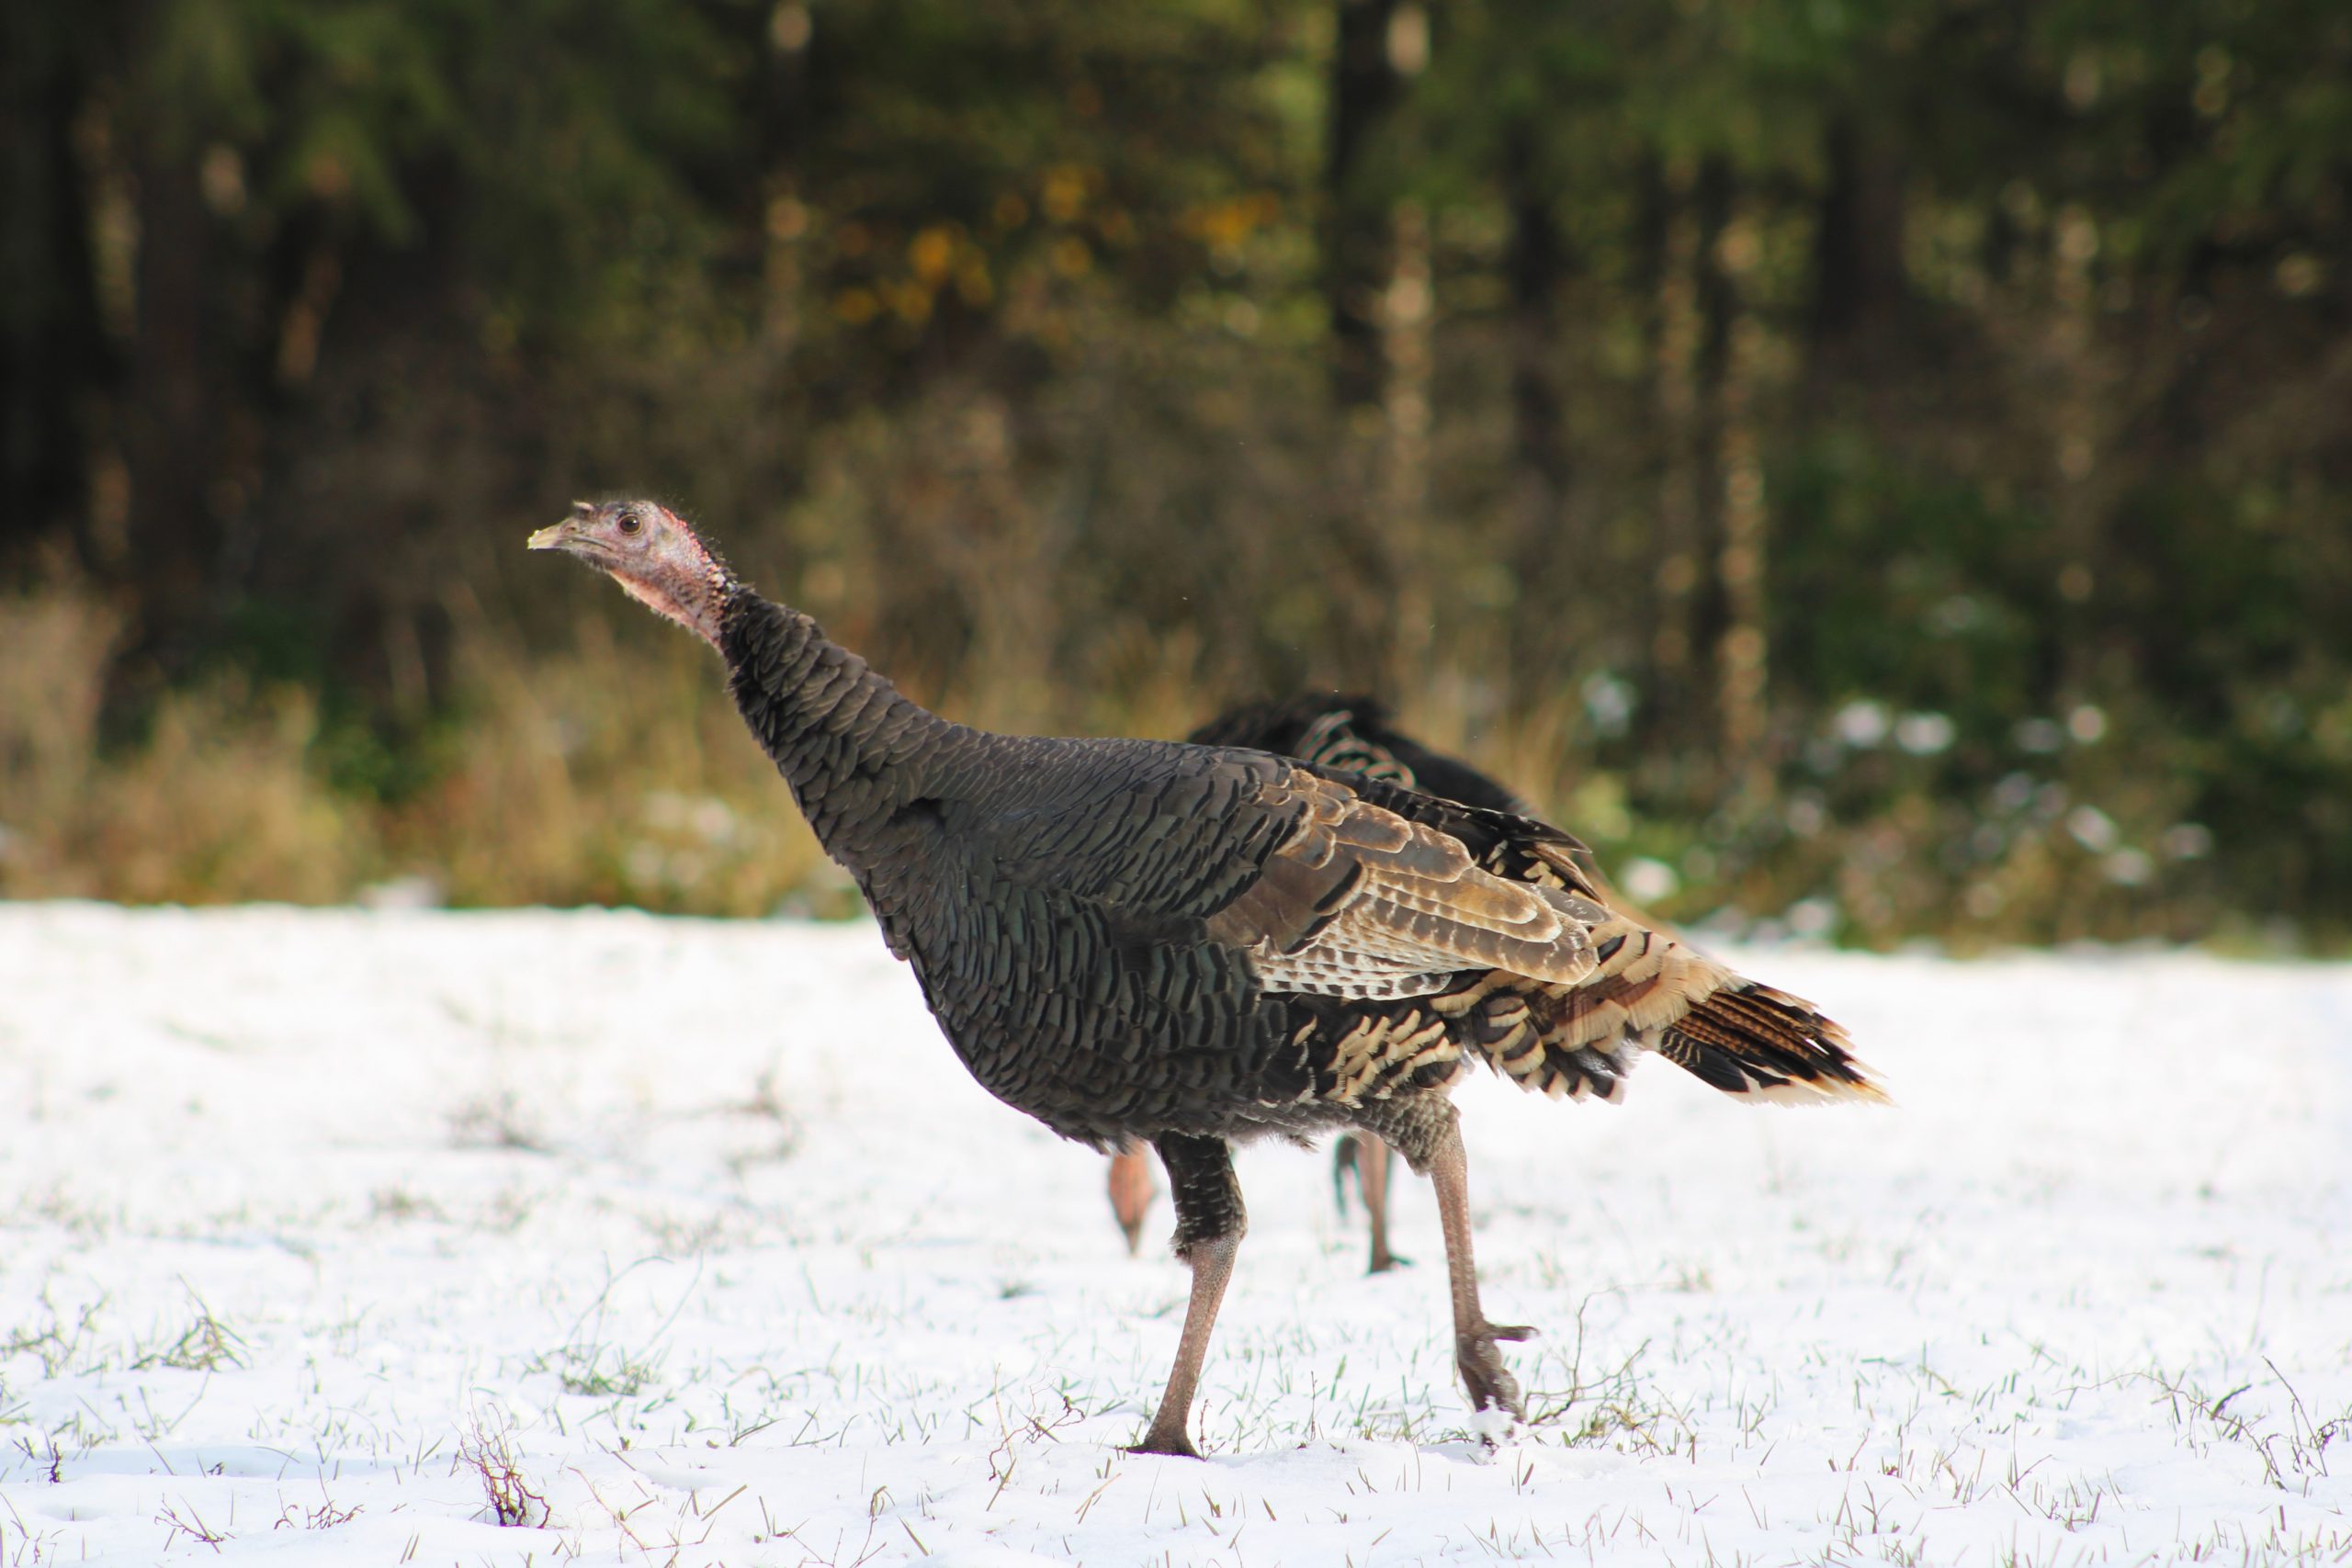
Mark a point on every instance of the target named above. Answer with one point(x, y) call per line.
point(1877, 469)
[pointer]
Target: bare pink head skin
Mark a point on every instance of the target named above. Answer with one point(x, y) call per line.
point(652, 553)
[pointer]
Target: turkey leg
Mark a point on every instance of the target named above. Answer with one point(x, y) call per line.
point(1132, 1190)
point(1374, 1158)
point(1481, 1365)
point(1210, 1222)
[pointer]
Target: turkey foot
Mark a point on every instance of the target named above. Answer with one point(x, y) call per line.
point(1486, 1378)
point(1483, 1373)
point(1174, 1444)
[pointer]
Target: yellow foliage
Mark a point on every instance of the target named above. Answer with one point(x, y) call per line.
point(1065, 193)
point(931, 252)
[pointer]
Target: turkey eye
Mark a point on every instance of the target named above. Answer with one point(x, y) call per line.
point(629, 524)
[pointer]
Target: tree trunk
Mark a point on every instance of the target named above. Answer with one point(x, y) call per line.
point(1356, 264)
point(170, 426)
point(1741, 660)
point(53, 350)
point(1406, 321)
point(1860, 286)
point(2083, 384)
point(791, 31)
point(1692, 348)
point(1536, 262)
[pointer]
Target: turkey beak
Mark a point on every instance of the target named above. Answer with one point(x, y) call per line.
point(559, 536)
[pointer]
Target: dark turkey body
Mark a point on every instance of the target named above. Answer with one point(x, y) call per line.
point(1053, 895)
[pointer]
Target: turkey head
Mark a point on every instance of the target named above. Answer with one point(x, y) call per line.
point(652, 553)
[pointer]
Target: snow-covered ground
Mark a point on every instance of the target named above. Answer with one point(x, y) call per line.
point(377, 1238)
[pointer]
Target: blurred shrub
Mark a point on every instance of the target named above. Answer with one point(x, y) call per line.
point(218, 800)
point(600, 775)
point(616, 770)
point(589, 776)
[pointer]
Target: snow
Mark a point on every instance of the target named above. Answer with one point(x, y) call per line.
point(331, 1237)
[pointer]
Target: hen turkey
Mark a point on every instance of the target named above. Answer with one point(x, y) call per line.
point(1189, 946)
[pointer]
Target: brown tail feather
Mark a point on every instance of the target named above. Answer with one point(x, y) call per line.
point(1649, 992)
point(1766, 1045)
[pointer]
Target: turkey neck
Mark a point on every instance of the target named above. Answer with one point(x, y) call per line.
point(852, 747)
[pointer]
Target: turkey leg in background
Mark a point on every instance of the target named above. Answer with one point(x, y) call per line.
point(1210, 1223)
point(1371, 1160)
point(1132, 1190)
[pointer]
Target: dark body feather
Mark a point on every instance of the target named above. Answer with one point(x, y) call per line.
point(1355, 735)
point(1053, 895)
